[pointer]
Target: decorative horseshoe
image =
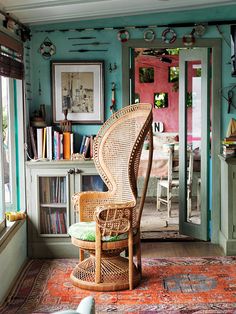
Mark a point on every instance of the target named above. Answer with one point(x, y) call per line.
point(169, 39)
point(47, 48)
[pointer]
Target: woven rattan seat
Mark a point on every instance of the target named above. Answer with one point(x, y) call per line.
point(117, 151)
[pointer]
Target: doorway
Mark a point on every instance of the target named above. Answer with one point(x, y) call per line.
point(190, 219)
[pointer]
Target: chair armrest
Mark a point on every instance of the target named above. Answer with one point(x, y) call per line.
point(114, 219)
point(85, 203)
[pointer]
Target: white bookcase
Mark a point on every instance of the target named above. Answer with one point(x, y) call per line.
point(227, 233)
point(50, 186)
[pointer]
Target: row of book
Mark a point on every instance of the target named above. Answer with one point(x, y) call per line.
point(229, 146)
point(53, 190)
point(51, 144)
point(53, 221)
point(86, 147)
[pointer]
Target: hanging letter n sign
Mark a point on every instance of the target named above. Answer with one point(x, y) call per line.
point(157, 127)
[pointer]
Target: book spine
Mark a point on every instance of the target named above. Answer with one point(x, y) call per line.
point(40, 143)
point(82, 144)
point(60, 146)
point(49, 142)
point(33, 143)
point(71, 144)
point(86, 146)
point(55, 145)
point(91, 145)
point(62, 223)
point(44, 142)
point(58, 223)
point(66, 145)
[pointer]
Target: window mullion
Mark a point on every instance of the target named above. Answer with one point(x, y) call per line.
point(12, 148)
point(2, 187)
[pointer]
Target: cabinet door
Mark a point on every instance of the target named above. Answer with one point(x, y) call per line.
point(52, 215)
point(87, 180)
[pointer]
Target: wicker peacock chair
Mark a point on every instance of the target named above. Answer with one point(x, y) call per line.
point(110, 221)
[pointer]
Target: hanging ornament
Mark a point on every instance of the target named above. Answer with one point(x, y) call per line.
point(113, 97)
point(123, 35)
point(169, 36)
point(200, 30)
point(112, 67)
point(47, 48)
point(189, 39)
point(149, 35)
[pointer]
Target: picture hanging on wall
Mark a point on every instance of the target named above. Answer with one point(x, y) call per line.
point(79, 88)
point(160, 100)
point(146, 75)
point(173, 74)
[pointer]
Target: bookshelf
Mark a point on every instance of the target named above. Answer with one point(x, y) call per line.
point(227, 233)
point(53, 205)
point(50, 186)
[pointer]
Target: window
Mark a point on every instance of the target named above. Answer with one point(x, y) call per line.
point(11, 125)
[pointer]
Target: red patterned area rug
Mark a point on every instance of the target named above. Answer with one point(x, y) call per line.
point(169, 285)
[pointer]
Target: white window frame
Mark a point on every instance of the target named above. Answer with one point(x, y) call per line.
point(21, 144)
point(12, 140)
point(12, 205)
point(2, 189)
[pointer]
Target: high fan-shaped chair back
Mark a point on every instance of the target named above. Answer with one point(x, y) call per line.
point(117, 151)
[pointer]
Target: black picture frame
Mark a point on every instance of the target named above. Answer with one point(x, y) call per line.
point(78, 86)
point(146, 75)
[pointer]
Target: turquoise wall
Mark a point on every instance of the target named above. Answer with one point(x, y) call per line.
point(40, 68)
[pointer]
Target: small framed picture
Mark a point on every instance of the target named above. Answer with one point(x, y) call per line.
point(160, 100)
point(146, 75)
point(173, 74)
point(78, 87)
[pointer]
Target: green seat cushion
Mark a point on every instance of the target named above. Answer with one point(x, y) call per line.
point(86, 231)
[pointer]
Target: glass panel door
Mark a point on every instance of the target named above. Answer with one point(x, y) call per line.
point(194, 142)
point(53, 214)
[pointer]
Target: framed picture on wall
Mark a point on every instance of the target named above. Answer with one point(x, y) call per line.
point(173, 74)
point(146, 75)
point(78, 87)
point(160, 100)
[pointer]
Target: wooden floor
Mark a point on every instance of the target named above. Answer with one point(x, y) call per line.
point(180, 249)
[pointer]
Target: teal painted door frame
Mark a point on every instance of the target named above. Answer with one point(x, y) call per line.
point(186, 227)
point(215, 45)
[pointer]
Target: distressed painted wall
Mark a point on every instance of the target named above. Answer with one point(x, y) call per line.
point(40, 68)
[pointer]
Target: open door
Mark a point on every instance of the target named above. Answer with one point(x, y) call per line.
point(194, 134)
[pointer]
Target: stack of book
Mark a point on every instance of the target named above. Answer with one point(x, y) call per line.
point(51, 144)
point(229, 146)
point(86, 147)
